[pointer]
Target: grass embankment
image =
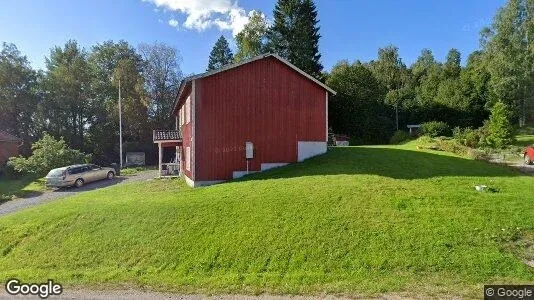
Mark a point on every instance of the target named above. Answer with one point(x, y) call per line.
point(358, 220)
point(10, 188)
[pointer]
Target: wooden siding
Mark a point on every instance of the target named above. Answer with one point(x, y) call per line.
point(186, 131)
point(264, 102)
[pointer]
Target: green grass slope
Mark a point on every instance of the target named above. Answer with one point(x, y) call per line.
point(358, 220)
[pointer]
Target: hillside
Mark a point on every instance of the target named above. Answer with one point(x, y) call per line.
point(358, 220)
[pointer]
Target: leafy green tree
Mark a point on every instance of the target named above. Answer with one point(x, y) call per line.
point(48, 153)
point(394, 76)
point(135, 102)
point(162, 75)
point(251, 40)
point(500, 130)
point(358, 108)
point(475, 89)
point(507, 45)
point(67, 94)
point(103, 132)
point(18, 93)
point(423, 64)
point(295, 35)
point(220, 55)
point(452, 67)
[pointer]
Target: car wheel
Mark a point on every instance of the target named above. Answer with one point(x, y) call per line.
point(78, 183)
point(528, 161)
point(111, 175)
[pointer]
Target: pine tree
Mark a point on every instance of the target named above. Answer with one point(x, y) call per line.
point(220, 55)
point(295, 35)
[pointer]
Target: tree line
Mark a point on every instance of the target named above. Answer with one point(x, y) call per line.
point(377, 97)
point(76, 95)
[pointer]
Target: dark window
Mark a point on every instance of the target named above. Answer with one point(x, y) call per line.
point(76, 170)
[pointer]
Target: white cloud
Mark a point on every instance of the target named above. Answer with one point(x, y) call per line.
point(204, 14)
point(173, 22)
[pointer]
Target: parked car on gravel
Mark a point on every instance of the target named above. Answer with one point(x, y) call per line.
point(78, 175)
point(528, 155)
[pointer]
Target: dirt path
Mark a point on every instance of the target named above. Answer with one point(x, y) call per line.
point(51, 195)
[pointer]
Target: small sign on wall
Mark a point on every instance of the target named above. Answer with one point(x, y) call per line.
point(249, 150)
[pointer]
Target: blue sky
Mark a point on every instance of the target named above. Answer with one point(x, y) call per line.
point(350, 29)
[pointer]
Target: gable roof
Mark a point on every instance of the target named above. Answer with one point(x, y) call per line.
point(7, 137)
point(235, 65)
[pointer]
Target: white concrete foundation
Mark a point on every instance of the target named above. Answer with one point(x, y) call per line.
point(268, 166)
point(306, 150)
point(193, 184)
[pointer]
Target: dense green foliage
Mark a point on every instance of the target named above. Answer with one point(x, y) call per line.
point(435, 129)
point(48, 153)
point(76, 96)
point(502, 70)
point(295, 35)
point(473, 138)
point(357, 109)
point(358, 220)
point(500, 131)
point(18, 98)
point(399, 137)
point(509, 57)
point(220, 55)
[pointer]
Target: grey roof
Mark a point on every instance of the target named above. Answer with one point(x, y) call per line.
point(235, 65)
point(165, 135)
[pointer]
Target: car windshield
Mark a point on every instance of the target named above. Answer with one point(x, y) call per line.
point(55, 173)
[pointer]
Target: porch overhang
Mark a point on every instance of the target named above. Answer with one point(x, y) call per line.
point(164, 139)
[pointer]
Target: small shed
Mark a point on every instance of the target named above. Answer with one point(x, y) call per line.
point(414, 129)
point(9, 146)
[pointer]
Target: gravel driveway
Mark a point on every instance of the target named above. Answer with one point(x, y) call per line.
point(51, 195)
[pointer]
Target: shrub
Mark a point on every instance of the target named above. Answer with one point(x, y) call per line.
point(470, 137)
point(448, 145)
point(435, 129)
point(48, 153)
point(399, 137)
point(500, 130)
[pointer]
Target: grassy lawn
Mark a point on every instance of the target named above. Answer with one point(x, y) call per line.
point(525, 136)
point(21, 187)
point(358, 220)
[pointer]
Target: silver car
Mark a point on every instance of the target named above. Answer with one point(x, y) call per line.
point(78, 175)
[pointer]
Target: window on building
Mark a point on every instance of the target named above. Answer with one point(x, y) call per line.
point(188, 110)
point(188, 158)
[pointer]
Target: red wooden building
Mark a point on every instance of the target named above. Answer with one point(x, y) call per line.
point(248, 117)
